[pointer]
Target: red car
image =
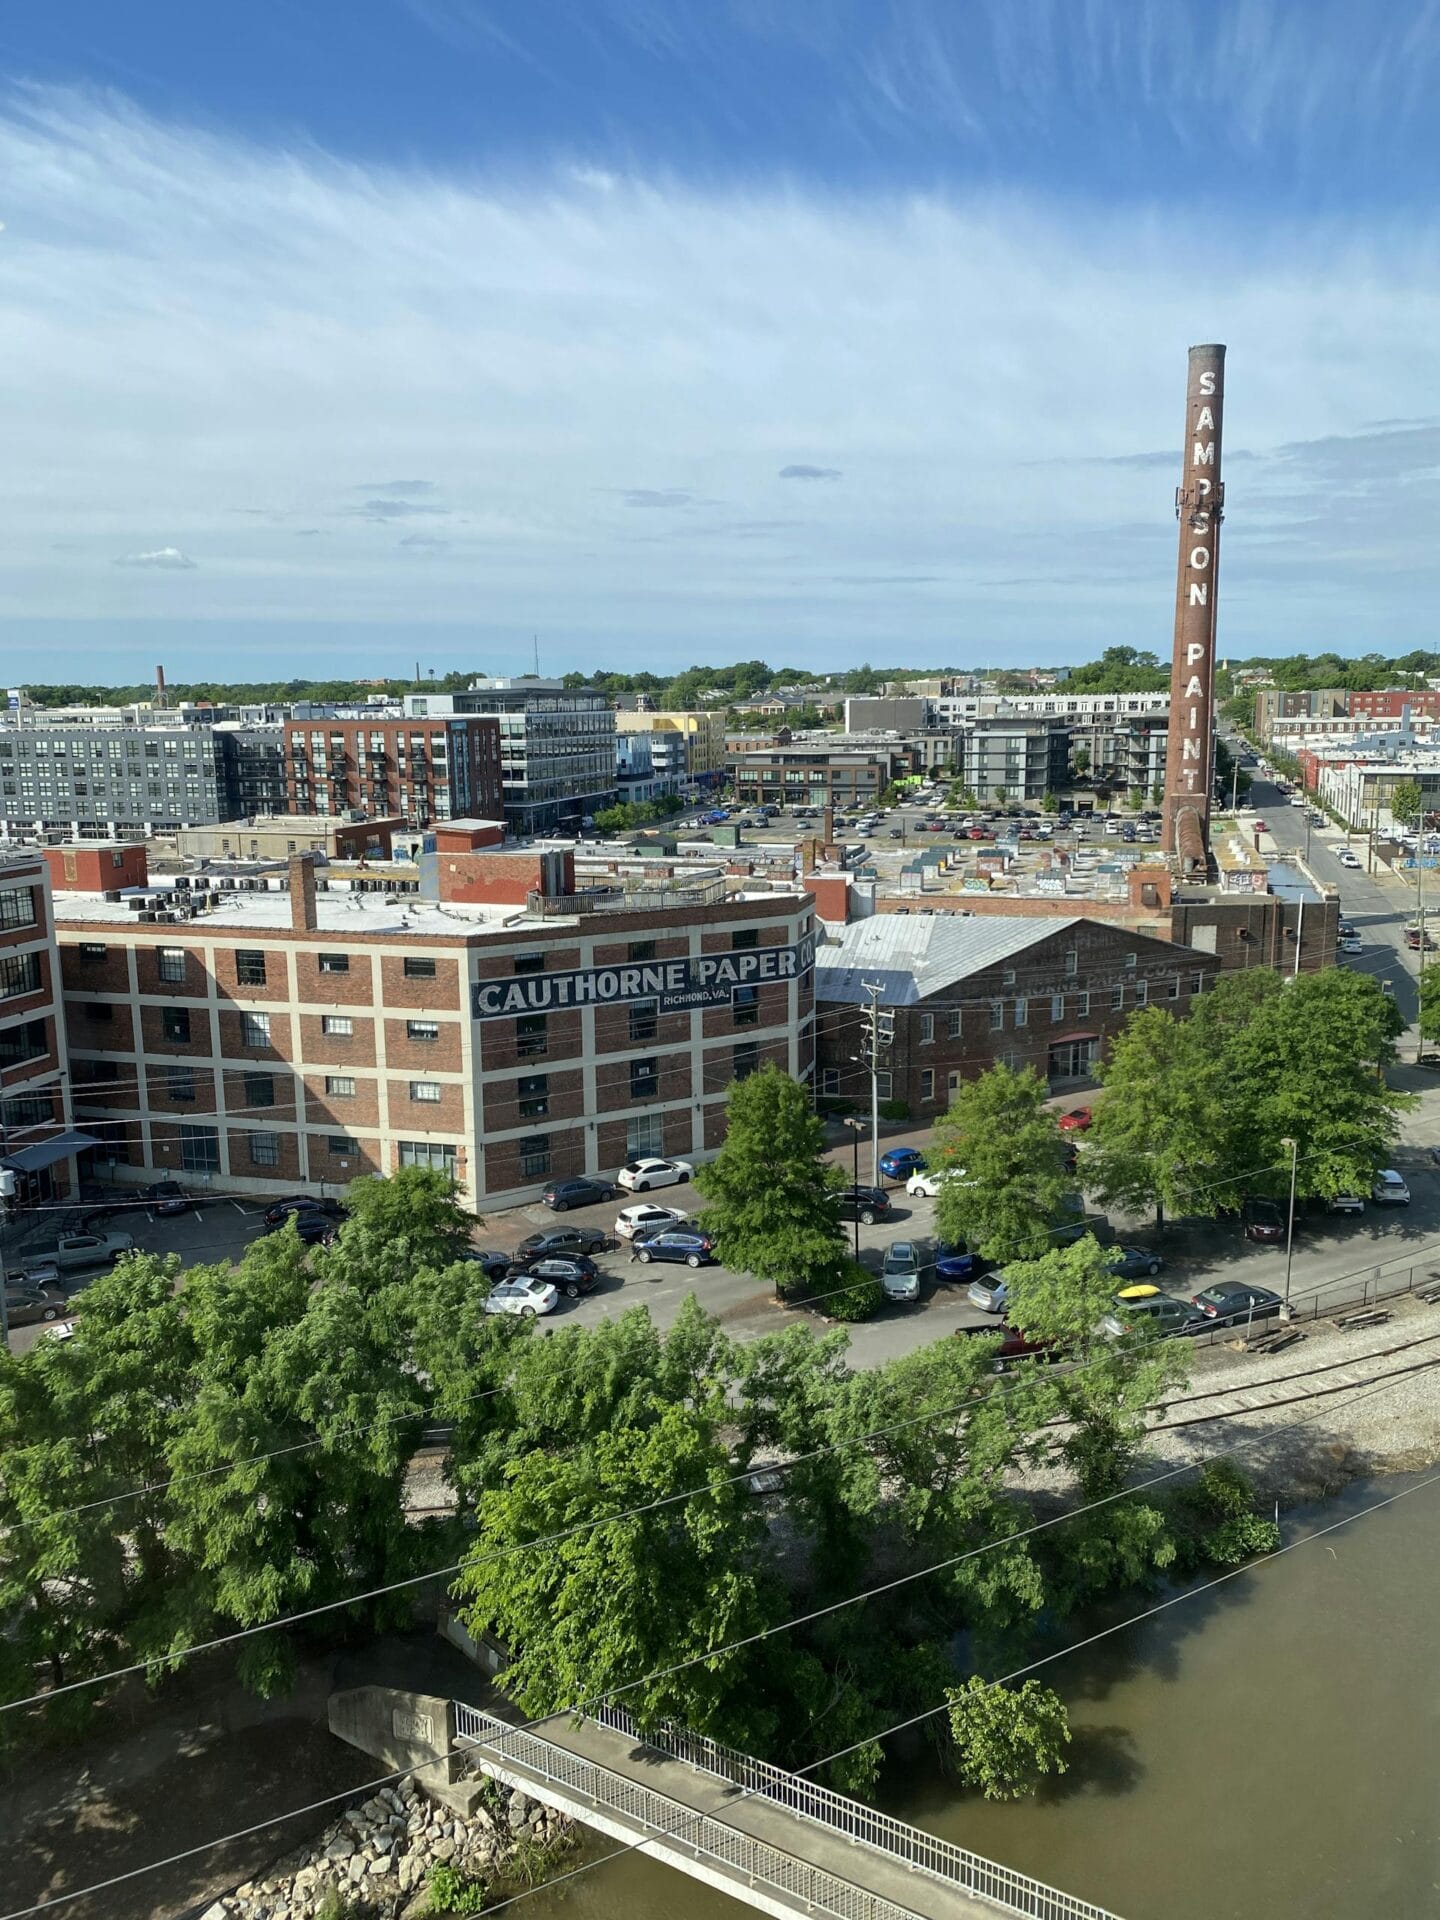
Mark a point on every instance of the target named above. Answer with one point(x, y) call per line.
point(1078, 1120)
point(976, 833)
point(1021, 1346)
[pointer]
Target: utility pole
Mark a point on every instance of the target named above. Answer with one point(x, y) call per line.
point(7, 1194)
point(879, 1032)
point(1420, 918)
point(1294, 1146)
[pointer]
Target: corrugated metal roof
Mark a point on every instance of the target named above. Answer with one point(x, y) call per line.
point(915, 956)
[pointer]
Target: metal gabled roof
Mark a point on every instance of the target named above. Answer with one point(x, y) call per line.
point(915, 955)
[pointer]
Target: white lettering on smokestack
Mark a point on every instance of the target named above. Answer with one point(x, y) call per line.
point(1199, 506)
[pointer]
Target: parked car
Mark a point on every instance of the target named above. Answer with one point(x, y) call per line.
point(85, 1250)
point(570, 1274)
point(865, 1204)
point(1390, 1189)
point(1078, 1120)
point(168, 1196)
point(491, 1262)
point(677, 1244)
point(929, 1183)
point(27, 1304)
point(1128, 1263)
point(1262, 1221)
point(1016, 1346)
point(278, 1210)
point(1346, 929)
point(900, 1273)
point(1347, 1203)
point(990, 1294)
point(561, 1195)
point(1231, 1300)
point(956, 1263)
point(559, 1240)
point(1156, 1312)
point(1352, 945)
point(639, 1176)
point(900, 1162)
point(314, 1229)
point(523, 1296)
point(647, 1218)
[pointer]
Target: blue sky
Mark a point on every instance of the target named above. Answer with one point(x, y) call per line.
point(823, 330)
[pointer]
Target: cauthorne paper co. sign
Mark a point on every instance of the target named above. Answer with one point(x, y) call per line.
point(708, 980)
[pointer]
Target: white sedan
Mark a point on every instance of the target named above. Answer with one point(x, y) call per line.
point(638, 1176)
point(647, 1218)
point(1351, 944)
point(926, 1184)
point(1346, 858)
point(524, 1295)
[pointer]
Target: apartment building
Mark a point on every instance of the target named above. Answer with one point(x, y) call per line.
point(699, 738)
point(422, 768)
point(557, 748)
point(37, 1143)
point(510, 1029)
point(812, 777)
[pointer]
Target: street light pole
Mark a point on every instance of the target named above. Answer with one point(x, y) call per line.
point(1294, 1146)
point(857, 1127)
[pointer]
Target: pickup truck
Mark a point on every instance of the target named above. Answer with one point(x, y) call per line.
point(84, 1250)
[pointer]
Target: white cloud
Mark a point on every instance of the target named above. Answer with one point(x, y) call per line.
point(192, 322)
point(168, 557)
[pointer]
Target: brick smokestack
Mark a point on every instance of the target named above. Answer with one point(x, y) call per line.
point(304, 916)
point(159, 686)
point(1199, 506)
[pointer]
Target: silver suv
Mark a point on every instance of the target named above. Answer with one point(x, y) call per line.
point(900, 1275)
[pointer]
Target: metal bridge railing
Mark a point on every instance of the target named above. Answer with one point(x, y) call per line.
point(830, 1893)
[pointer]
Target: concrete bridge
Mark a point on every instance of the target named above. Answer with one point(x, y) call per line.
point(775, 1840)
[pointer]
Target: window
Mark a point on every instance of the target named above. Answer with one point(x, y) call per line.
point(100, 1010)
point(830, 1080)
point(30, 1040)
point(200, 1149)
point(535, 1156)
point(171, 966)
point(529, 963)
point(427, 1091)
point(745, 1061)
point(175, 1024)
point(27, 1110)
point(644, 1020)
point(249, 966)
point(642, 950)
point(644, 1079)
point(952, 1084)
point(1082, 1006)
point(1007, 978)
point(91, 951)
point(997, 1015)
point(1142, 992)
point(339, 1026)
point(1172, 987)
point(418, 969)
point(264, 1149)
point(745, 1006)
point(17, 907)
point(533, 1092)
point(1197, 983)
point(342, 1146)
point(340, 1086)
point(644, 1134)
point(1022, 1012)
point(927, 1083)
point(180, 1083)
point(885, 1085)
point(953, 1023)
point(254, 1029)
point(1132, 960)
point(259, 1089)
point(745, 937)
point(531, 1036)
point(1117, 998)
point(334, 963)
point(422, 1031)
point(1072, 962)
point(435, 1154)
point(19, 973)
point(927, 1029)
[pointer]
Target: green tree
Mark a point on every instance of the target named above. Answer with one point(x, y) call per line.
point(1157, 796)
point(1135, 799)
point(1162, 1124)
point(1050, 804)
point(1003, 1147)
point(999, 793)
point(1007, 1739)
point(1080, 760)
point(769, 1192)
point(1406, 802)
point(1430, 1000)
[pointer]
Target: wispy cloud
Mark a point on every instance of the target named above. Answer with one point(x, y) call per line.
point(169, 558)
point(395, 509)
point(663, 497)
point(801, 472)
point(398, 489)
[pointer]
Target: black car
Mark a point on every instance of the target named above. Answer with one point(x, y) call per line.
point(493, 1264)
point(561, 1194)
point(168, 1196)
point(1229, 1301)
point(279, 1211)
point(314, 1228)
point(679, 1244)
point(570, 1274)
point(865, 1204)
point(563, 1241)
point(26, 1304)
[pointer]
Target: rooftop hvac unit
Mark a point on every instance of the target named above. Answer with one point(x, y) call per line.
point(322, 886)
point(166, 917)
point(182, 885)
point(137, 903)
point(112, 895)
point(147, 914)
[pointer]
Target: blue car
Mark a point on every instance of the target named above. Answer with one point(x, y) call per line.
point(900, 1162)
point(694, 1249)
point(715, 819)
point(953, 1263)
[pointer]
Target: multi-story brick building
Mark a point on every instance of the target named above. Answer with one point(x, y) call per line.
point(423, 768)
point(968, 993)
point(37, 1144)
point(812, 777)
point(508, 1030)
point(557, 748)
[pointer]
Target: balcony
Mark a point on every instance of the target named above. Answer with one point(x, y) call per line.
point(703, 893)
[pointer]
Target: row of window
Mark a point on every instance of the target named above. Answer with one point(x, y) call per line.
point(250, 962)
point(644, 1135)
point(1139, 990)
point(200, 1150)
point(175, 1025)
point(260, 1087)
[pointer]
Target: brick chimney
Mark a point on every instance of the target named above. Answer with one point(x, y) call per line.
point(304, 917)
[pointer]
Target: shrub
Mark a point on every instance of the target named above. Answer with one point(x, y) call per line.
point(452, 1892)
point(861, 1300)
point(894, 1110)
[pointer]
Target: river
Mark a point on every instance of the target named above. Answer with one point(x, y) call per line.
point(1270, 1748)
